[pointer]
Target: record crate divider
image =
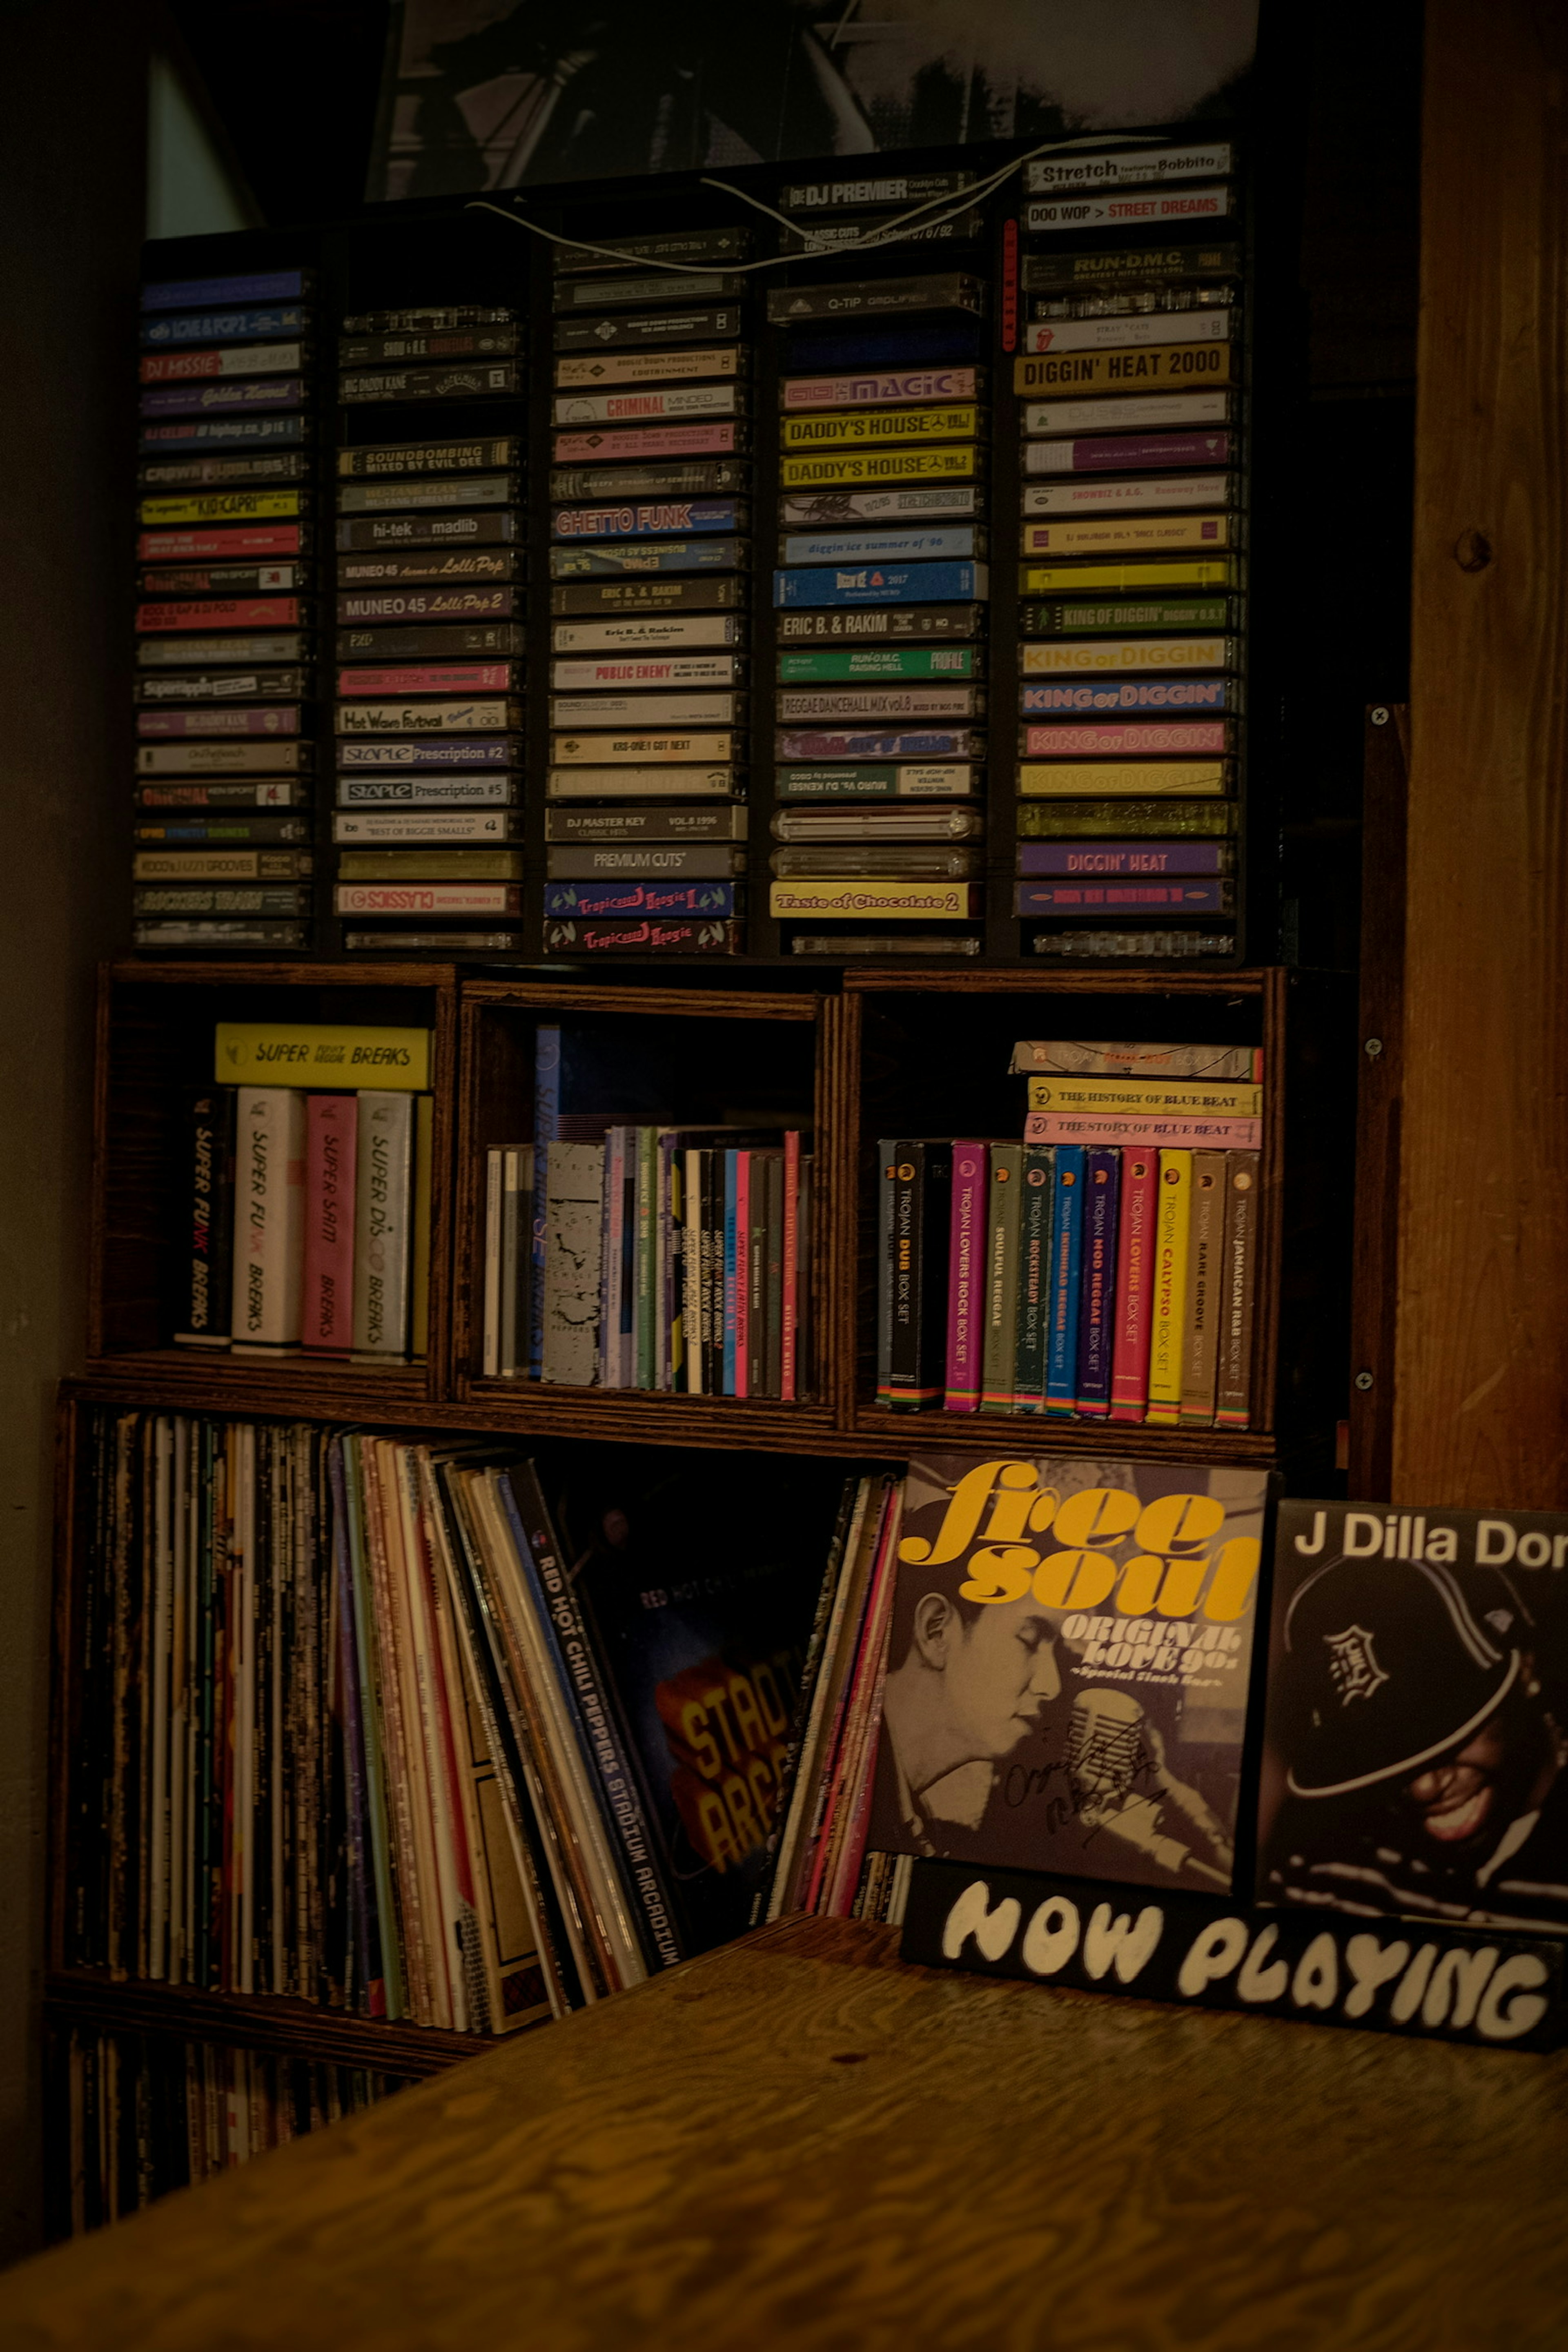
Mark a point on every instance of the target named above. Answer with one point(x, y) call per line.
point(155, 1027)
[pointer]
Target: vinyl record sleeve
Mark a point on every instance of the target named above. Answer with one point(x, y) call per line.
point(1414, 1755)
point(1069, 1667)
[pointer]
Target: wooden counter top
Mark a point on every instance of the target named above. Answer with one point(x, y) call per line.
point(798, 2141)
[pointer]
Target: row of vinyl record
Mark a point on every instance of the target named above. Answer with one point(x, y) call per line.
point(225, 614)
point(666, 1258)
point(146, 2113)
point(373, 1724)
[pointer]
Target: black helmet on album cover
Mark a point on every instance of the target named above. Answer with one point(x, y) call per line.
point(1391, 1664)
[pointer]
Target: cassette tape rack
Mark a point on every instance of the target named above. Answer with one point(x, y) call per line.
point(859, 578)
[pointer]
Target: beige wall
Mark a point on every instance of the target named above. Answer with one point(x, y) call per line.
point(72, 134)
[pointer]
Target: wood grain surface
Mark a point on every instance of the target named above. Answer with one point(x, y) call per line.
point(769, 2147)
point(1482, 1357)
point(1380, 1081)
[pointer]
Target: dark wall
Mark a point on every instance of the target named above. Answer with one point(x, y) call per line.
point(72, 142)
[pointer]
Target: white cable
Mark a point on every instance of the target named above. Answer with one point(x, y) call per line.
point(887, 232)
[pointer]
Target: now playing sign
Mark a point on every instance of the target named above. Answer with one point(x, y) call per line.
point(1197, 1951)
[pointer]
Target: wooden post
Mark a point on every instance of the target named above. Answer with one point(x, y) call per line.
point(1481, 1393)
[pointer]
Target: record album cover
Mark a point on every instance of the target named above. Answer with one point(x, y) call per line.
point(1068, 1666)
point(490, 94)
point(1413, 1748)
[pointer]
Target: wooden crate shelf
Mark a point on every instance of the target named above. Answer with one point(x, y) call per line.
point(99, 2003)
point(894, 1049)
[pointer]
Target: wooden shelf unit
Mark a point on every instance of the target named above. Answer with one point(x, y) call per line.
point(920, 1050)
point(155, 1024)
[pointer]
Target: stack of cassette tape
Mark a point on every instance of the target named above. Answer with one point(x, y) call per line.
point(429, 681)
point(222, 857)
point(879, 596)
point(1132, 539)
point(649, 557)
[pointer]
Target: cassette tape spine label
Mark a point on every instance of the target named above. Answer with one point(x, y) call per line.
point(224, 726)
point(1133, 612)
point(430, 679)
point(650, 563)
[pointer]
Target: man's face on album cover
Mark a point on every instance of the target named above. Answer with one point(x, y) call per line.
point(1000, 1672)
point(1469, 1794)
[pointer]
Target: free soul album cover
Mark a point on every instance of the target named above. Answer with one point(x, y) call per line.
point(1069, 1665)
point(494, 94)
point(1414, 1747)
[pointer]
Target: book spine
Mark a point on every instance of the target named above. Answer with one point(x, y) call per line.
point(772, 1276)
point(511, 1245)
point(965, 1265)
point(489, 1345)
point(1238, 1278)
point(321, 1053)
point(573, 1220)
point(1168, 1302)
point(892, 1267)
point(1134, 1263)
point(789, 1336)
point(806, 1341)
point(332, 1123)
point(666, 1243)
point(692, 1270)
point(422, 1235)
point(1066, 1251)
point(1089, 1128)
point(383, 1210)
point(756, 1233)
point(268, 1258)
point(742, 1253)
point(546, 1128)
point(207, 1307)
point(729, 1303)
point(613, 1227)
point(647, 1258)
point(1001, 1302)
point(627, 1271)
point(1036, 1199)
point(1102, 1179)
point(1200, 1315)
point(713, 1269)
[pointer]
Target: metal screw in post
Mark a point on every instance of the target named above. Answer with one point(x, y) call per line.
point(1379, 715)
point(1363, 1380)
point(1373, 1048)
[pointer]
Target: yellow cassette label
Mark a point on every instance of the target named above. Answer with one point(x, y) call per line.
point(1127, 534)
point(851, 429)
point(1072, 578)
point(1177, 367)
point(1072, 780)
point(1059, 657)
point(959, 462)
point(222, 506)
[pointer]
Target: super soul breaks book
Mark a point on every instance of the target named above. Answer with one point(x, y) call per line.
point(1069, 1667)
point(1414, 1746)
